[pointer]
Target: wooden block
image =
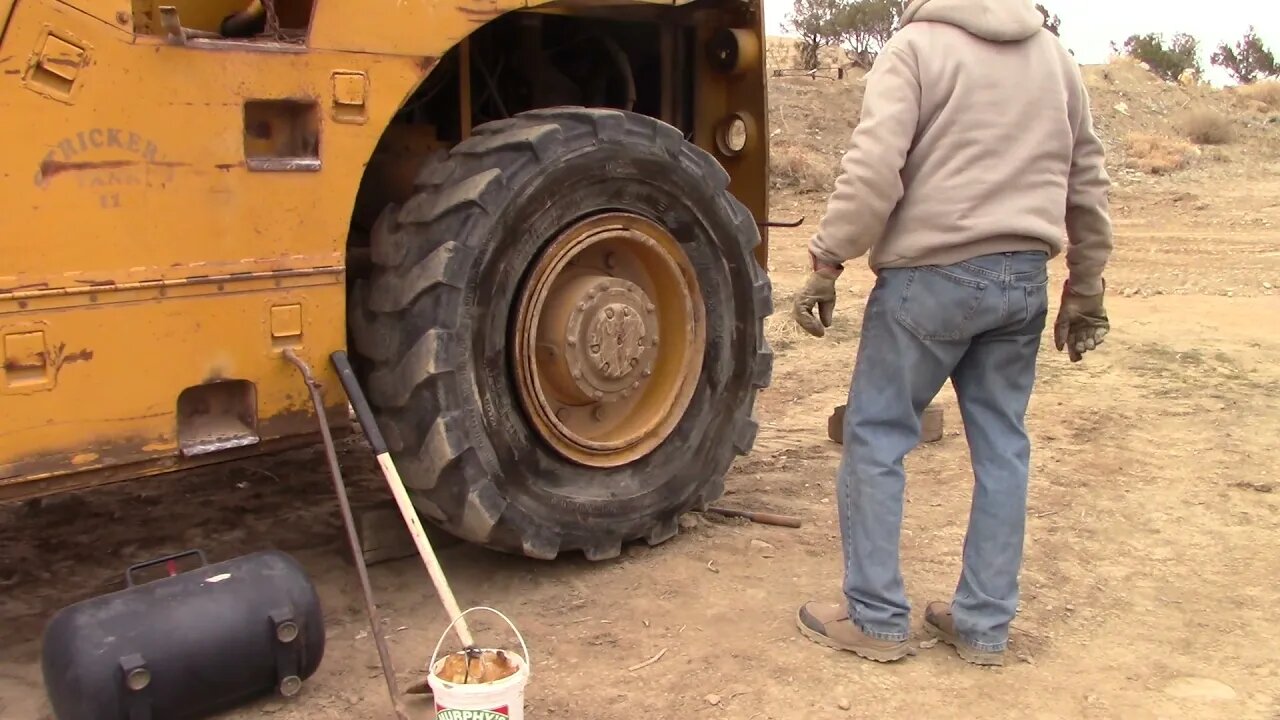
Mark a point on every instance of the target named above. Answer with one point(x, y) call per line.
point(384, 536)
point(930, 425)
point(835, 425)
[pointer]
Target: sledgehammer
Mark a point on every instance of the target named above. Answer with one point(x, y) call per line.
point(365, 415)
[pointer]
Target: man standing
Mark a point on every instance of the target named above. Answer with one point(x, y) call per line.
point(975, 147)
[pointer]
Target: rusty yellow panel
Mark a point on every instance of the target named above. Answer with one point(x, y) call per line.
point(114, 13)
point(348, 88)
point(61, 58)
point(26, 360)
point(420, 28)
point(156, 166)
point(350, 95)
point(286, 325)
point(165, 348)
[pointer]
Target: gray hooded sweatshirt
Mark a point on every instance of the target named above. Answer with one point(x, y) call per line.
point(976, 138)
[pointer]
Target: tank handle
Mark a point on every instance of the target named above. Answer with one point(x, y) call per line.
point(528, 663)
point(128, 574)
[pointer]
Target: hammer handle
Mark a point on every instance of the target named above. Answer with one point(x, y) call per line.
point(759, 517)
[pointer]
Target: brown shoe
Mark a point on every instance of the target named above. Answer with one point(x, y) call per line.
point(829, 624)
point(939, 622)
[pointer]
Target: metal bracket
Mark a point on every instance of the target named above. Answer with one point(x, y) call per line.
point(781, 224)
point(284, 626)
point(175, 34)
point(135, 678)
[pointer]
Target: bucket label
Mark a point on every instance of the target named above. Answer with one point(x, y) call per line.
point(502, 713)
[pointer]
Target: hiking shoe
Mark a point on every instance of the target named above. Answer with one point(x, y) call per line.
point(829, 624)
point(939, 622)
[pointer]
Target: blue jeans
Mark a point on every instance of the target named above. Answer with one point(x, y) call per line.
point(978, 322)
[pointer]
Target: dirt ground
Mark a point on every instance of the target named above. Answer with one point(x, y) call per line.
point(1149, 586)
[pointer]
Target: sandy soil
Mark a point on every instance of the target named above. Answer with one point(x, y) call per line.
point(1149, 582)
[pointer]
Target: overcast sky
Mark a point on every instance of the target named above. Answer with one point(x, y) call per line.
point(1089, 26)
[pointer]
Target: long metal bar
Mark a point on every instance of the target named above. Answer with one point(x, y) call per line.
point(340, 488)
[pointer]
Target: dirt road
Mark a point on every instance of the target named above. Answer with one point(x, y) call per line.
point(1149, 588)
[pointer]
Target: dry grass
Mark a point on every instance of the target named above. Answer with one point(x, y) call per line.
point(792, 168)
point(780, 329)
point(1158, 154)
point(1266, 92)
point(1203, 126)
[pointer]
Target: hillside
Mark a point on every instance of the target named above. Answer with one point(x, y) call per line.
point(1164, 141)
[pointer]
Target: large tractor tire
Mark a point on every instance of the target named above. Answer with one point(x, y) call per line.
point(562, 333)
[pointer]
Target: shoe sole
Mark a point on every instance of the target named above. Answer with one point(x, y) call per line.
point(966, 653)
point(880, 656)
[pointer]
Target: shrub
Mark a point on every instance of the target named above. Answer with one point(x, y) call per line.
point(1267, 93)
point(791, 168)
point(1249, 61)
point(1169, 62)
point(1157, 154)
point(1206, 127)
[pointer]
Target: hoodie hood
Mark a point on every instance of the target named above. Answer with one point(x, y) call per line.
point(995, 20)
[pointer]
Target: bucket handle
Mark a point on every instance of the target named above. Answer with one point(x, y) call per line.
point(528, 663)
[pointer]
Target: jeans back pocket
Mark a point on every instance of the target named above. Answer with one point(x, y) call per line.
point(940, 304)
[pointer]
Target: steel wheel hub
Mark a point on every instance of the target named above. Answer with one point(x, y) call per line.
point(598, 305)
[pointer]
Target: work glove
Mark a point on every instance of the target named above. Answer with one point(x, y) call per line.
point(819, 291)
point(1082, 322)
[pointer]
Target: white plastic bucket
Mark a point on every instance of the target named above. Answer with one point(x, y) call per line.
point(499, 700)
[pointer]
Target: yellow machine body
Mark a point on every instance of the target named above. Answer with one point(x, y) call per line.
point(177, 208)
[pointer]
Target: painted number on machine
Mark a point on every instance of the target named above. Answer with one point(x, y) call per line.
point(501, 713)
point(105, 161)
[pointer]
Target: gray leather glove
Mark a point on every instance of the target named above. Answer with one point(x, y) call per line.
point(1082, 322)
point(819, 291)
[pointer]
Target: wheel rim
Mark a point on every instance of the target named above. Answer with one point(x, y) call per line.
point(610, 336)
